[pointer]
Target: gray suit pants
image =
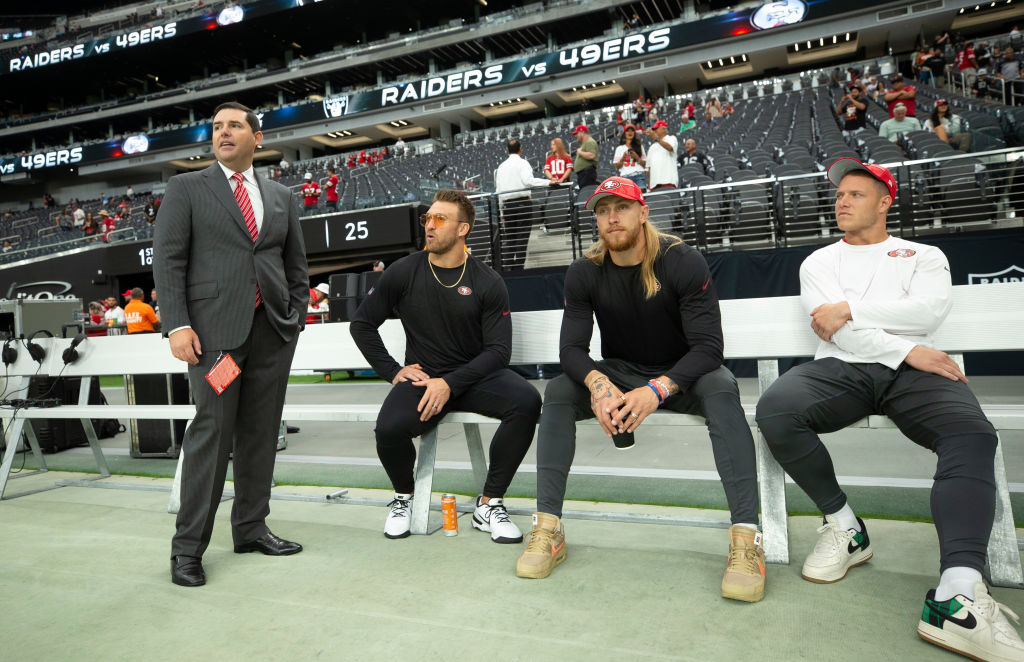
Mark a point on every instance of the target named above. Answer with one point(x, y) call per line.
point(244, 419)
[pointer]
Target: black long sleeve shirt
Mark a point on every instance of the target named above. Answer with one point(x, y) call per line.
point(460, 333)
point(677, 332)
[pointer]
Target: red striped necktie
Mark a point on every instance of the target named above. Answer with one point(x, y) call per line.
point(242, 198)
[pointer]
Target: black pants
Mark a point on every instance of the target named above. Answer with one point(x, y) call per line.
point(939, 414)
point(714, 396)
point(518, 223)
point(586, 177)
point(245, 419)
point(503, 395)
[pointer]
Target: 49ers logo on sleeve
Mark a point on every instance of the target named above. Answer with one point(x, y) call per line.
point(902, 252)
point(465, 291)
point(657, 285)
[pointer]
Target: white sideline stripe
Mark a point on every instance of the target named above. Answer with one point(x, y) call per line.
point(583, 470)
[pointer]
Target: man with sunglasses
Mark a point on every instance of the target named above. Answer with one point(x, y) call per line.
point(455, 312)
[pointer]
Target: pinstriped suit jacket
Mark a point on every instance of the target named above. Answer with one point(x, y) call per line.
point(206, 266)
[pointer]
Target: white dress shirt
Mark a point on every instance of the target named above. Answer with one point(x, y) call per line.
point(250, 187)
point(515, 174)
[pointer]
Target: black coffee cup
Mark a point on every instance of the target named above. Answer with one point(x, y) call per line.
point(623, 440)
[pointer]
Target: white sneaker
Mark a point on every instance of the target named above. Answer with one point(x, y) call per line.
point(399, 517)
point(836, 552)
point(493, 518)
point(976, 628)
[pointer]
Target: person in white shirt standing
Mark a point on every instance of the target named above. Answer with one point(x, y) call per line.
point(512, 181)
point(874, 301)
point(661, 158)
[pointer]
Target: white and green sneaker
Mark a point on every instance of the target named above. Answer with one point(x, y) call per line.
point(836, 552)
point(976, 628)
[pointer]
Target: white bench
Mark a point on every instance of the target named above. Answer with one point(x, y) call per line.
point(984, 318)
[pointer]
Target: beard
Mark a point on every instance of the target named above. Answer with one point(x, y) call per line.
point(440, 244)
point(622, 241)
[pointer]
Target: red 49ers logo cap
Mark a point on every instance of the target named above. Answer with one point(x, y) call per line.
point(842, 167)
point(618, 186)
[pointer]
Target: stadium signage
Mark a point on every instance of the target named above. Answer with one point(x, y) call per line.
point(229, 15)
point(42, 160)
point(94, 47)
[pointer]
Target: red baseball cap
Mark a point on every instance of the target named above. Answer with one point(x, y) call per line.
point(659, 124)
point(842, 167)
point(629, 126)
point(127, 293)
point(581, 127)
point(618, 186)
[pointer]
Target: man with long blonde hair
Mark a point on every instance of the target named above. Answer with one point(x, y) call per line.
point(661, 339)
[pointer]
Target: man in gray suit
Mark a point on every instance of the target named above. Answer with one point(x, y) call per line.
point(231, 270)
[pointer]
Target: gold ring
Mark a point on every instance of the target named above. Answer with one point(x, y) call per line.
point(622, 397)
point(635, 416)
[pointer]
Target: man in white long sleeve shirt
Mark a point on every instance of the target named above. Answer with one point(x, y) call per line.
point(513, 180)
point(875, 301)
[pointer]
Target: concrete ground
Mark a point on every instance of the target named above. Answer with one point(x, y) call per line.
point(85, 574)
point(86, 577)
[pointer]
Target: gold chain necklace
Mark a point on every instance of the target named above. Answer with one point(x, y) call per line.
point(429, 263)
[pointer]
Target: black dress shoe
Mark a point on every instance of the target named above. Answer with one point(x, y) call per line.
point(269, 544)
point(187, 571)
point(292, 429)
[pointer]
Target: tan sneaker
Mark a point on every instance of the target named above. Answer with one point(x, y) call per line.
point(545, 550)
point(744, 576)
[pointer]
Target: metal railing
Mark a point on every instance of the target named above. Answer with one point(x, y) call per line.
point(946, 194)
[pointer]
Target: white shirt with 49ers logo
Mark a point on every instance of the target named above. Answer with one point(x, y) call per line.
point(898, 292)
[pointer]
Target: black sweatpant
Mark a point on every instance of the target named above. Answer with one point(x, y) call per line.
point(518, 223)
point(942, 415)
point(586, 176)
point(503, 395)
point(714, 396)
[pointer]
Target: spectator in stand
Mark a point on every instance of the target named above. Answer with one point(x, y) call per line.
point(630, 157)
point(983, 55)
point(114, 313)
point(585, 164)
point(727, 109)
point(378, 265)
point(967, 64)
point(7, 246)
point(512, 182)
point(104, 199)
point(78, 214)
point(691, 155)
point(941, 41)
point(331, 188)
point(152, 299)
point(351, 161)
point(899, 123)
point(1009, 69)
point(689, 111)
point(399, 147)
point(712, 112)
point(310, 193)
point(129, 193)
point(852, 110)
point(652, 114)
point(901, 93)
point(318, 307)
point(90, 226)
point(150, 211)
point(362, 158)
point(620, 123)
point(108, 224)
point(934, 67)
point(139, 316)
point(983, 86)
point(63, 221)
point(124, 206)
point(558, 166)
point(47, 201)
point(948, 126)
point(689, 124)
